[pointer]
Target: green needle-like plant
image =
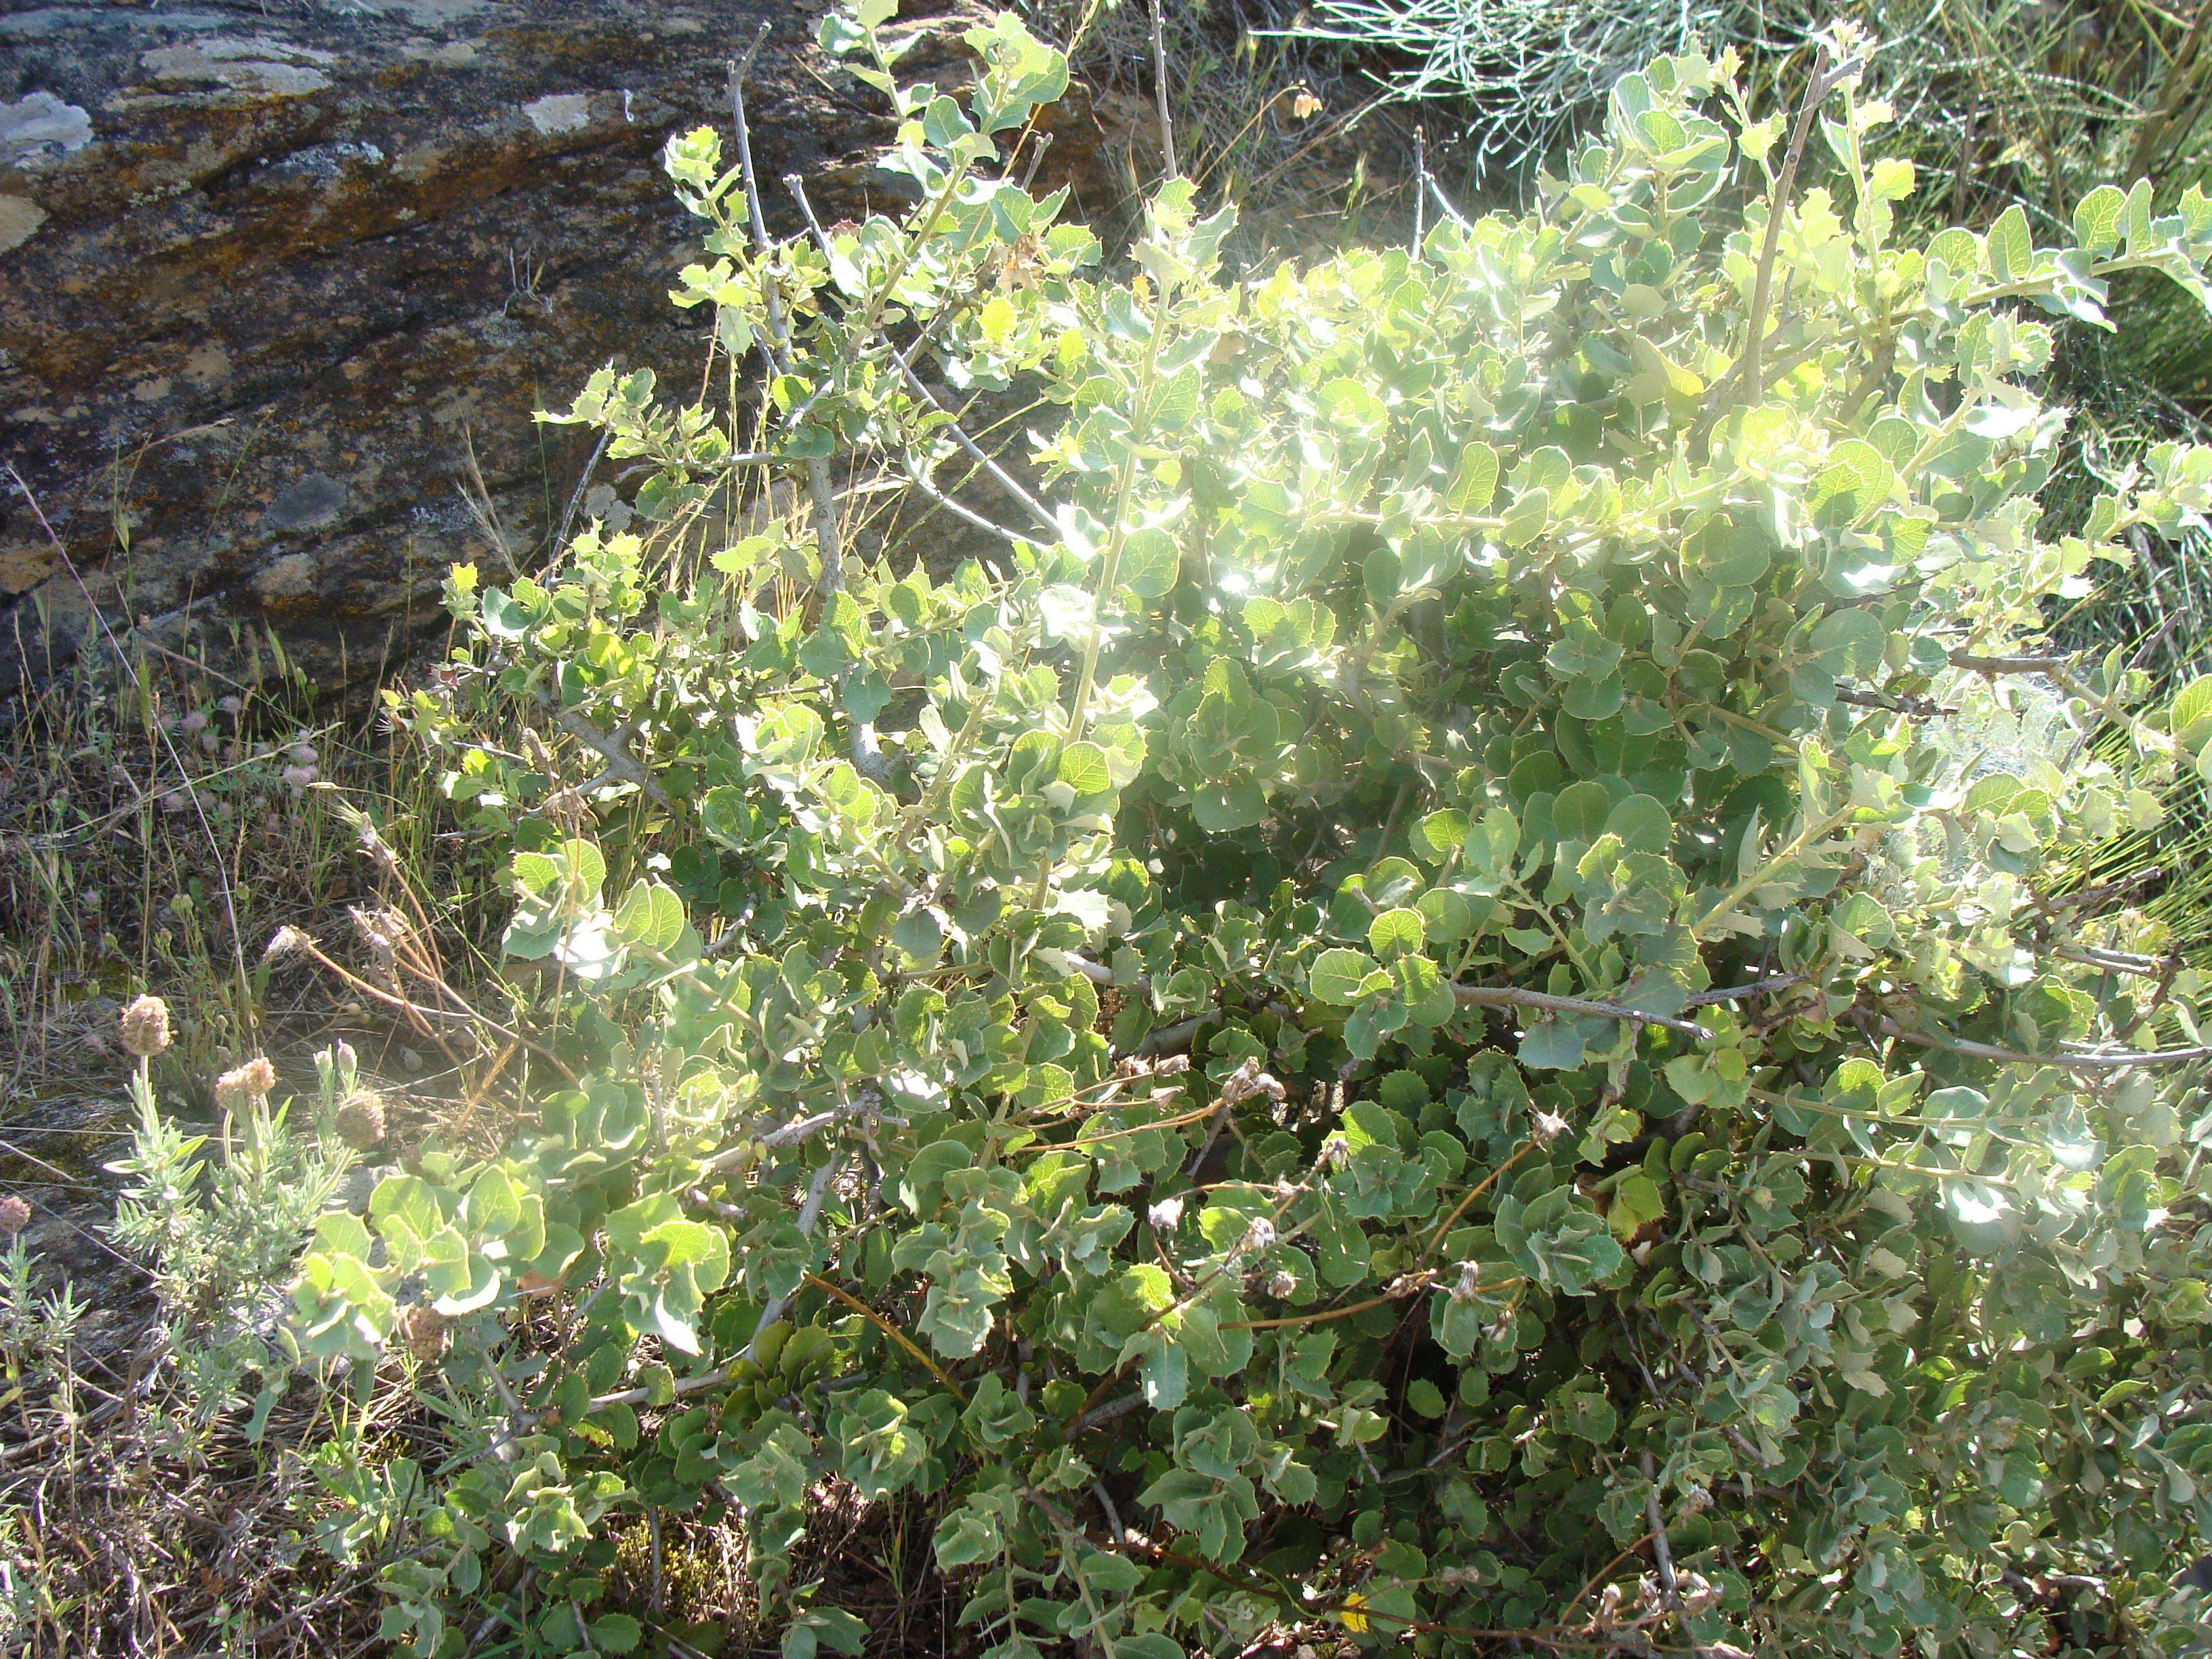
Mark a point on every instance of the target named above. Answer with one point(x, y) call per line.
point(1423, 997)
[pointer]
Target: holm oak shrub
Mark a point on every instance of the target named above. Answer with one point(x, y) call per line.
point(1435, 998)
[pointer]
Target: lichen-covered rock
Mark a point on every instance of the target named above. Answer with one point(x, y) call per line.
point(280, 281)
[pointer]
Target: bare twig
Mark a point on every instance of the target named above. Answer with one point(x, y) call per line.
point(1757, 987)
point(1444, 204)
point(608, 746)
point(963, 511)
point(1512, 996)
point(2105, 1061)
point(1420, 187)
point(1993, 666)
point(819, 487)
point(1160, 94)
point(974, 452)
point(1661, 1552)
point(1825, 78)
point(2088, 898)
point(1919, 708)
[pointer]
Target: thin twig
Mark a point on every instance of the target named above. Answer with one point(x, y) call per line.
point(1160, 94)
point(1825, 79)
point(1512, 996)
point(1420, 187)
point(974, 451)
point(1661, 1550)
point(819, 487)
point(1993, 666)
point(1757, 987)
point(621, 763)
point(919, 1355)
point(1919, 708)
point(2079, 1062)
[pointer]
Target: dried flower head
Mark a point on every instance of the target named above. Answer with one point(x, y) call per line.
point(1248, 1080)
point(146, 1026)
point(423, 1331)
point(380, 851)
point(14, 1216)
point(566, 806)
point(360, 1119)
point(380, 930)
point(285, 941)
point(245, 1085)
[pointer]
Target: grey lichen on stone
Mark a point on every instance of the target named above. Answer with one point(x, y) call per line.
point(315, 500)
point(256, 64)
point(39, 128)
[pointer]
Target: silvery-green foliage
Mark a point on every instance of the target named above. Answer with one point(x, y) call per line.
point(1396, 1012)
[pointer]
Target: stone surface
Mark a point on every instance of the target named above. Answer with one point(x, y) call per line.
point(280, 279)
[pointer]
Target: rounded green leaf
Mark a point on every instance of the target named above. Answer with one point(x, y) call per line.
point(1642, 824)
point(1337, 975)
point(1083, 768)
point(1581, 810)
point(1397, 932)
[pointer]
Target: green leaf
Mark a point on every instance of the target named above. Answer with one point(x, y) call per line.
point(1083, 768)
point(1491, 840)
point(1636, 1202)
point(1476, 481)
point(1858, 473)
point(1642, 824)
point(1338, 975)
point(1395, 933)
point(616, 1632)
point(650, 917)
point(1151, 562)
point(2097, 219)
point(1850, 642)
point(2011, 247)
point(2192, 706)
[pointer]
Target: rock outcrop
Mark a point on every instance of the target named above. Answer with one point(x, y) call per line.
point(281, 282)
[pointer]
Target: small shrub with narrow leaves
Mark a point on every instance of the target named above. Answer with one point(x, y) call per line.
point(1435, 997)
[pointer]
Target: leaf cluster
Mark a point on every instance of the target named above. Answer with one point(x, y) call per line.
point(1397, 1008)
